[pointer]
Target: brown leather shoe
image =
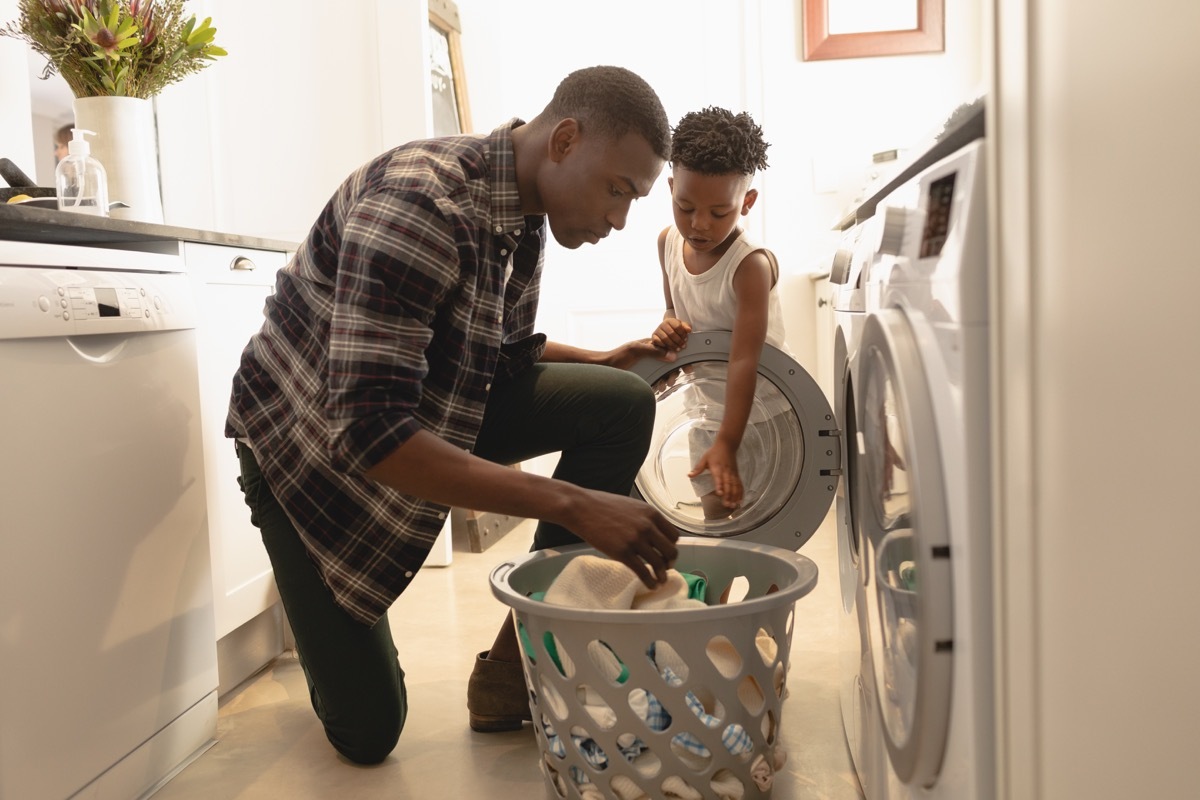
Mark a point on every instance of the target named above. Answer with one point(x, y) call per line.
point(497, 699)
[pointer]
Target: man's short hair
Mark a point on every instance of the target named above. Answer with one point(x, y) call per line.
point(613, 101)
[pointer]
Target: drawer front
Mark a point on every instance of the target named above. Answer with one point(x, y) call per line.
point(228, 264)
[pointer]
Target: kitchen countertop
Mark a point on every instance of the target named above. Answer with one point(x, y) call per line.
point(51, 226)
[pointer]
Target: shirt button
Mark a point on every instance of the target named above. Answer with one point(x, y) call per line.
point(499, 229)
point(500, 318)
point(518, 232)
point(441, 515)
point(487, 388)
point(408, 574)
point(503, 252)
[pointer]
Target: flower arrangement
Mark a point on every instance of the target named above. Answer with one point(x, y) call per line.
point(115, 48)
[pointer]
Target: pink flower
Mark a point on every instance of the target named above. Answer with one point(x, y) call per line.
point(147, 22)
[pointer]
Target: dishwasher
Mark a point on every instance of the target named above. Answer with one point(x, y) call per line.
point(108, 671)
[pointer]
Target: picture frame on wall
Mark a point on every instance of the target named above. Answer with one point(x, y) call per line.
point(451, 113)
point(864, 28)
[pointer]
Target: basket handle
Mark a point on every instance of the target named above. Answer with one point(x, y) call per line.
point(501, 570)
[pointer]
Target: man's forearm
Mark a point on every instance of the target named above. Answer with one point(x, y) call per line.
point(428, 467)
point(622, 357)
point(558, 353)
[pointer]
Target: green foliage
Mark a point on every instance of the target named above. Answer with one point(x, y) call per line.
point(115, 48)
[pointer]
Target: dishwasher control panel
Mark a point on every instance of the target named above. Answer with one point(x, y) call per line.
point(100, 302)
point(41, 301)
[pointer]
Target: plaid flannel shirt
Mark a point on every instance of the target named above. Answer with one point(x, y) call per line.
point(393, 317)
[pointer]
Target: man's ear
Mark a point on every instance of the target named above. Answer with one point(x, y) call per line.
point(563, 137)
point(748, 201)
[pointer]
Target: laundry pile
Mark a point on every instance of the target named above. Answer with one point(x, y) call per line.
point(599, 583)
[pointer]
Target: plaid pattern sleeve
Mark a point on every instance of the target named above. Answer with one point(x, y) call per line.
point(390, 319)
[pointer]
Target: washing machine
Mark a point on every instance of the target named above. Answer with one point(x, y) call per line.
point(921, 459)
point(789, 459)
point(848, 272)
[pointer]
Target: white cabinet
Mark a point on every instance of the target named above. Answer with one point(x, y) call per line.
point(823, 333)
point(231, 285)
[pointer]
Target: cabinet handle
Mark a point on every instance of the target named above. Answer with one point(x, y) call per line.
point(822, 302)
point(242, 263)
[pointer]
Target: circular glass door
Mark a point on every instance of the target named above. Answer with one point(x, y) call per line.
point(691, 406)
point(789, 458)
point(905, 540)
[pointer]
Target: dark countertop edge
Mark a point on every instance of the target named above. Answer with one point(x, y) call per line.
point(966, 129)
point(50, 226)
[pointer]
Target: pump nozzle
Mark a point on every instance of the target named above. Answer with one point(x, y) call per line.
point(78, 146)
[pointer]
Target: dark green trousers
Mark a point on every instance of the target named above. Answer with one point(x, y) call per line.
point(599, 418)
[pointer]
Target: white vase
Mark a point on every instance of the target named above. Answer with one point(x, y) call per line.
point(126, 144)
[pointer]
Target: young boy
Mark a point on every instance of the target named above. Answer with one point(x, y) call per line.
point(715, 279)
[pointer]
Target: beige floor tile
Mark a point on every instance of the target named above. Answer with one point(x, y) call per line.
point(271, 747)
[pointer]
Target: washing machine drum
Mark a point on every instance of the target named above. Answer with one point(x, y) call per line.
point(788, 461)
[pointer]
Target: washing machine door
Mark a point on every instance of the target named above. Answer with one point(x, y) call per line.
point(905, 540)
point(850, 564)
point(789, 459)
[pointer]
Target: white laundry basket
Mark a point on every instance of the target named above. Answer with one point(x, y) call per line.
point(680, 703)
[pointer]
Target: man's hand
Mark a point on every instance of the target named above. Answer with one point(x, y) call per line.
point(671, 334)
point(629, 531)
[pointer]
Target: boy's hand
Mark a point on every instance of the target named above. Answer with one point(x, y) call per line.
point(671, 334)
point(721, 462)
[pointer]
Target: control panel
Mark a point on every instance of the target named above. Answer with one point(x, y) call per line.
point(99, 302)
point(72, 302)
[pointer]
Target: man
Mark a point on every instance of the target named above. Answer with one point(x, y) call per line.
point(397, 370)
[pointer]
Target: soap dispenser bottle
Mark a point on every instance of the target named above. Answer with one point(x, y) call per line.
point(80, 180)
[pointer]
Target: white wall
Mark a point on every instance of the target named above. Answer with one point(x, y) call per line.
point(16, 131)
point(835, 114)
point(1096, 125)
point(258, 141)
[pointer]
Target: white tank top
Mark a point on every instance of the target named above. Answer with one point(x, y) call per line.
point(708, 302)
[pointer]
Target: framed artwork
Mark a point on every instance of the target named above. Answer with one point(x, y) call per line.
point(450, 112)
point(864, 28)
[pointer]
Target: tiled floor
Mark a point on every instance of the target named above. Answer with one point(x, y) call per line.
point(271, 745)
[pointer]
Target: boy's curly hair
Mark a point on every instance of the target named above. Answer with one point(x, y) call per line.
point(716, 141)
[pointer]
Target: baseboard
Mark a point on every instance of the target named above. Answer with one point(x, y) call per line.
point(160, 758)
point(247, 649)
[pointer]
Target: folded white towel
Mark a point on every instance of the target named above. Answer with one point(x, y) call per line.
point(601, 583)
